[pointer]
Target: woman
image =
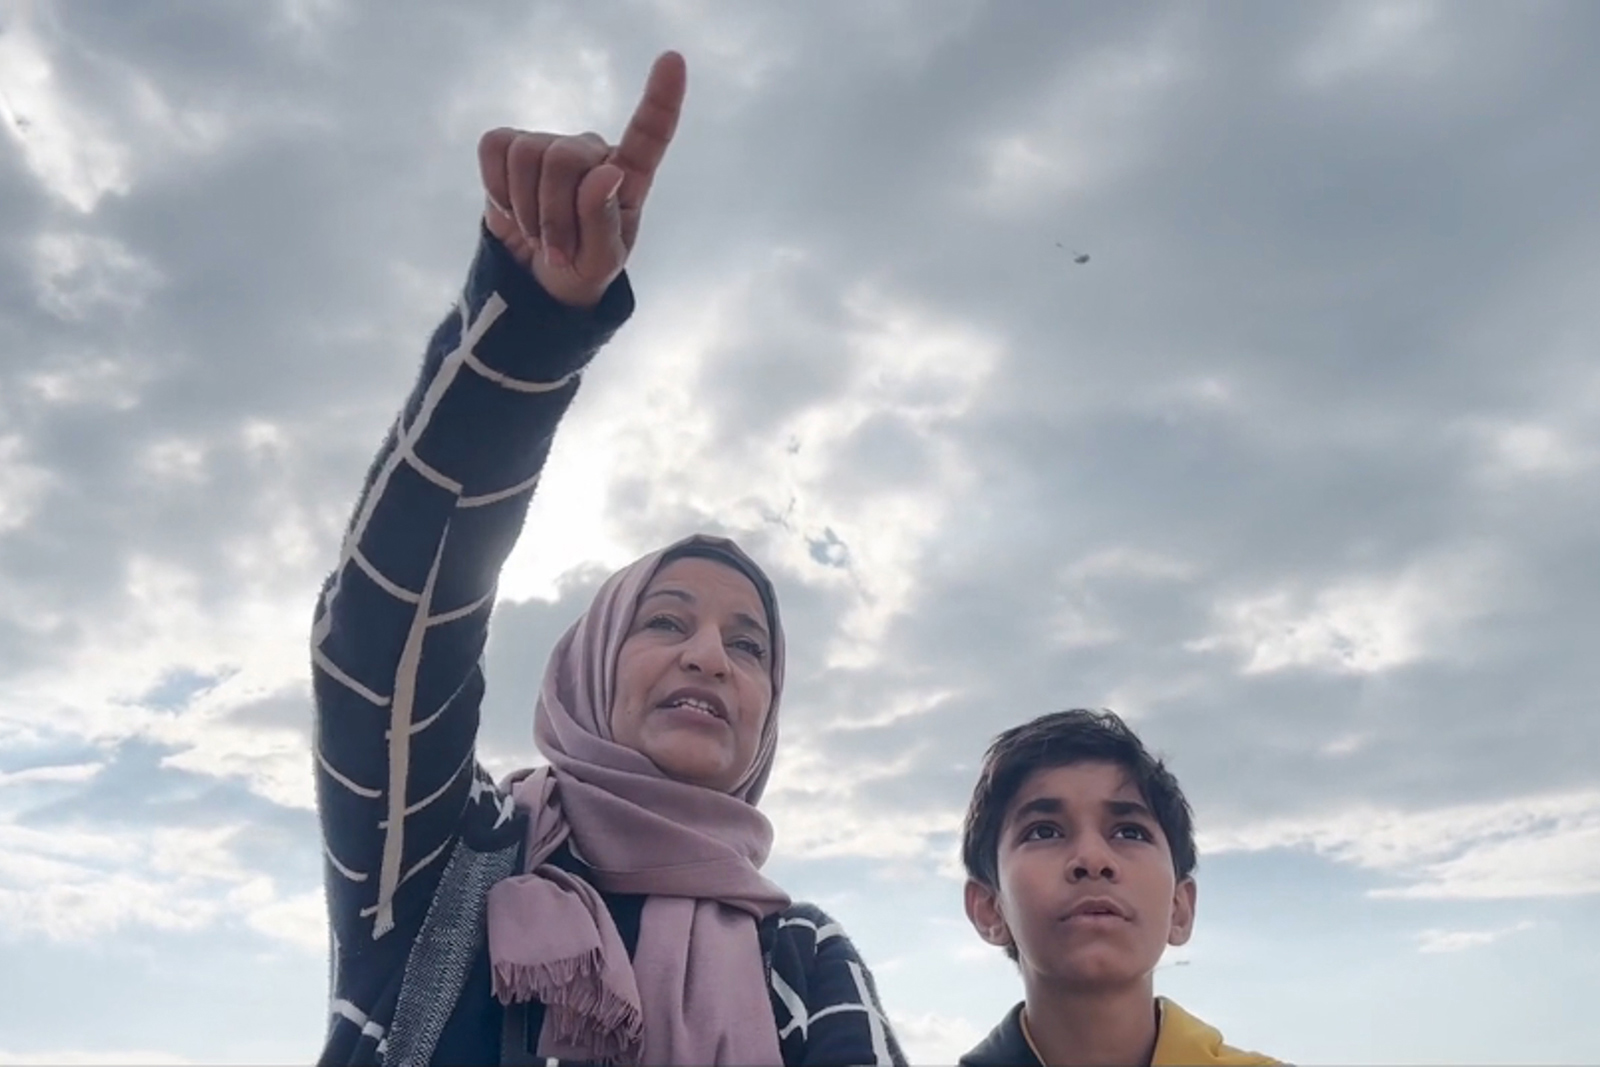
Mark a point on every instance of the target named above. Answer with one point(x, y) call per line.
point(608, 907)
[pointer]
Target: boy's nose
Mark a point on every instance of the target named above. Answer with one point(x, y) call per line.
point(1093, 860)
point(1082, 870)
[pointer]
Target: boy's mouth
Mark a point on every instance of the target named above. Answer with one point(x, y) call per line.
point(1098, 908)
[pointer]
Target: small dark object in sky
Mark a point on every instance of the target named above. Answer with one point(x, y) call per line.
point(1077, 257)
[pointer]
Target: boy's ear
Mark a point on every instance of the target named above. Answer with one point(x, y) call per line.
point(1183, 907)
point(983, 911)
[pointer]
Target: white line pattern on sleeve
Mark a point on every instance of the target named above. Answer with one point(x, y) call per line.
point(525, 486)
point(880, 1041)
point(428, 470)
point(352, 875)
point(798, 1013)
point(346, 1010)
point(331, 669)
point(437, 793)
point(463, 611)
point(821, 933)
point(382, 581)
point(405, 698)
point(516, 385)
point(358, 790)
point(402, 702)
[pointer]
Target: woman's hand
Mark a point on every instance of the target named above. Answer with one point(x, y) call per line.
point(568, 207)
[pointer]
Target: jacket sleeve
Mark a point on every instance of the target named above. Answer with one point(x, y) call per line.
point(401, 623)
point(824, 999)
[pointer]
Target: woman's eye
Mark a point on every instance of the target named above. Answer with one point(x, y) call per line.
point(664, 622)
point(751, 648)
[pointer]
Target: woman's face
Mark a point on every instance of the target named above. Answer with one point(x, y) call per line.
point(694, 675)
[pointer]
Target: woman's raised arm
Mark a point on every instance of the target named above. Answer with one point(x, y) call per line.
point(401, 623)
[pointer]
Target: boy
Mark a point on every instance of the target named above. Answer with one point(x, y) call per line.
point(1079, 849)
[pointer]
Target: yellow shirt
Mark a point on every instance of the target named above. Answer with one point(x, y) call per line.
point(1184, 1041)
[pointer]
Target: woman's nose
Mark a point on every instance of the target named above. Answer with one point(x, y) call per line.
point(703, 652)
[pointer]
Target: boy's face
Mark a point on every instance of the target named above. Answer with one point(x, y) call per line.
point(1088, 894)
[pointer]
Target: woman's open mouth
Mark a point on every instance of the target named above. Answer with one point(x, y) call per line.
point(697, 701)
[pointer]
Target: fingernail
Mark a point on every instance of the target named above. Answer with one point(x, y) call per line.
point(616, 187)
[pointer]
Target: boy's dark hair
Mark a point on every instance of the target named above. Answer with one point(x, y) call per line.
point(1058, 740)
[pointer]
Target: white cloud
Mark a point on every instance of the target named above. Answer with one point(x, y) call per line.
point(77, 274)
point(1394, 37)
point(926, 368)
point(300, 921)
point(816, 808)
point(175, 460)
point(273, 763)
point(69, 773)
point(1128, 561)
point(574, 88)
point(252, 645)
point(1517, 449)
point(65, 145)
point(908, 360)
point(307, 22)
point(1363, 624)
point(1555, 859)
point(1437, 941)
point(929, 1038)
point(22, 484)
point(738, 44)
point(91, 378)
point(84, 142)
point(1084, 129)
point(1518, 849)
point(905, 705)
point(76, 884)
point(1558, 443)
point(1081, 618)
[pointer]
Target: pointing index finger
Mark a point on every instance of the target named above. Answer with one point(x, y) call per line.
point(644, 143)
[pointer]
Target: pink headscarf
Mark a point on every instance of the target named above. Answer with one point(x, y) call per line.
point(695, 991)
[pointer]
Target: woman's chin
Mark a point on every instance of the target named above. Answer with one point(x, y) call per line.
point(693, 761)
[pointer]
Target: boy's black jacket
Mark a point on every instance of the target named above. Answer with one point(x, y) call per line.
point(1004, 1047)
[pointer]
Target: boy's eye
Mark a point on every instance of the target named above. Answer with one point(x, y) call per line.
point(1138, 832)
point(1041, 831)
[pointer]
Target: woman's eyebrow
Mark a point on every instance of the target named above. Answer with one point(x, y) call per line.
point(742, 618)
point(750, 622)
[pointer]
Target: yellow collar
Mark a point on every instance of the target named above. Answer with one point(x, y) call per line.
point(1183, 1039)
point(1027, 1035)
point(1180, 1039)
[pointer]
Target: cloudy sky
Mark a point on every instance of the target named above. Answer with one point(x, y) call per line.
point(1299, 472)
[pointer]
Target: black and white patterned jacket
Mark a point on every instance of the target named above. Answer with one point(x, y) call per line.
point(414, 830)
